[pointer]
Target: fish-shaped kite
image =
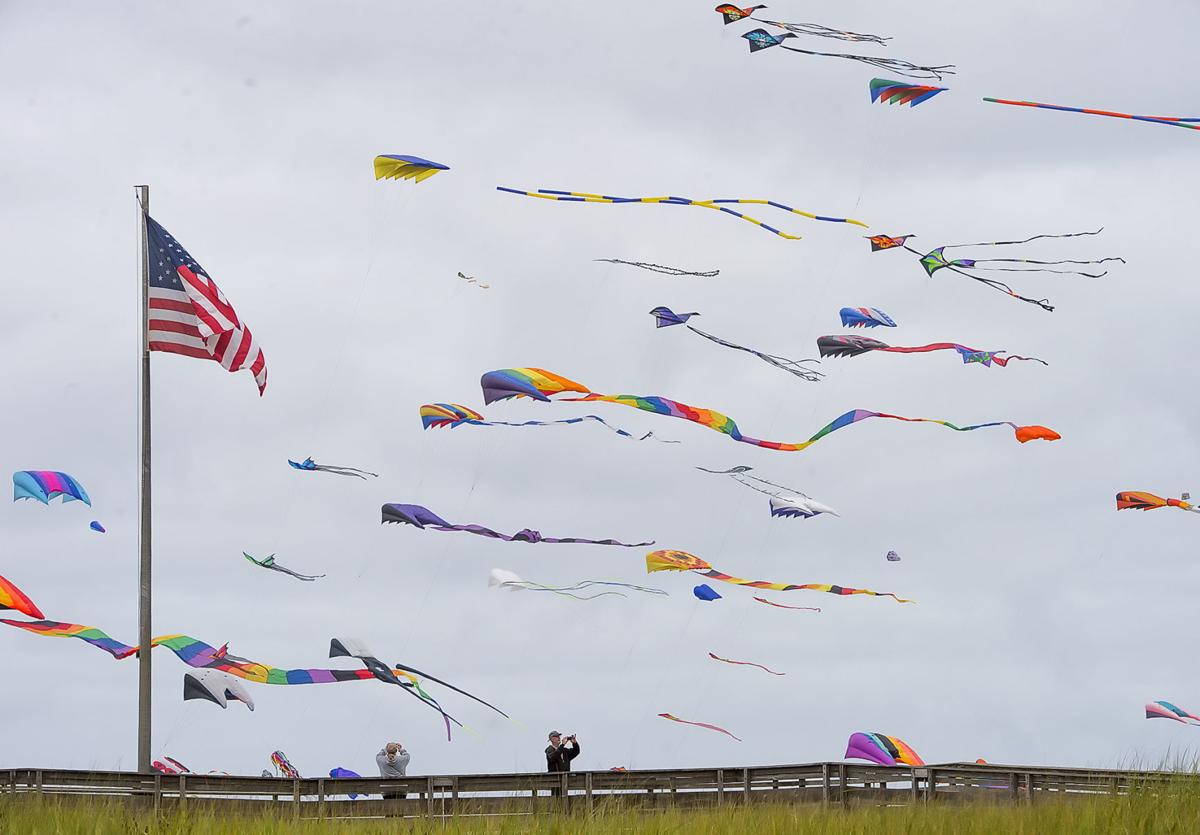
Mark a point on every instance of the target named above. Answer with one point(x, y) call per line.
point(720, 205)
point(881, 749)
point(664, 317)
point(854, 345)
point(784, 500)
point(760, 39)
point(540, 384)
point(269, 562)
point(453, 415)
point(936, 259)
point(310, 466)
point(683, 561)
point(13, 598)
point(44, 485)
point(505, 579)
point(704, 725)
point(898, 92)
point(1166, 710)
point(405, 167)
point(1137, 500)
point(865, 317)
point(733, 14)
point(423, 517)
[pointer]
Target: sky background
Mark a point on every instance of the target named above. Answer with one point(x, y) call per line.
point(1044, 621)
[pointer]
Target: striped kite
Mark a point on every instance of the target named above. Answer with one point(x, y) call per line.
point(664, 317)
point(881, 749)
point(699, 725)
point(440, 415)
point(865, 317)
point(13, 598)
point(423, 517)
point(539, 384)
point(683, 561)
point(1177, 121)
point(733, 14)
point(1136, 500)
point(897, 92)
point(404, 167)
point(761, 39)
point(715, 204)
point(44, 485)
point(1166, 710)
point(853, 345)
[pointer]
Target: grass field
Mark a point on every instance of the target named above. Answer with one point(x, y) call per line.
point(1141, 814)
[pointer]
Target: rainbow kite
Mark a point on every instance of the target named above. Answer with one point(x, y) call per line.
point(898, 92)
point(1177, 121)
point(716, 728)
point(453, 415)
point(13, 598)
point(44, 485)
point(539, 384)
point(881, 749)
point(96, 637)
point(683, 561)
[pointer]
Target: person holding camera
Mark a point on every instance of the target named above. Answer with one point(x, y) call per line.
point(560, 752)
point(393, 763)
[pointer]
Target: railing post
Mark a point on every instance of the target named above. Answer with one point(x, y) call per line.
point(720, 787)
point(1014, 787)
point(914, 775)
point(565, 789)
point(930, 785)
point(182, 792)
point(296, 798)
point(1028, 788)
point(825, 783)
point(321, 797)
point(429, 797)
point(842, 784)
point(38, 780)
point(587, 788)
point(746, 785)
point(157, 793)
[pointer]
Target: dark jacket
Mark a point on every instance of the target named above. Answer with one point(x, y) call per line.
point(559, 759)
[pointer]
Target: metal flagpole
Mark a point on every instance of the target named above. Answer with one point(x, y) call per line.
point(144, 562)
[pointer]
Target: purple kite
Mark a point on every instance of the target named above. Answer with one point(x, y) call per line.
point(423, 517)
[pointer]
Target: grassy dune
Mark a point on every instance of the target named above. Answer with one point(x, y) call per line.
point(1176, 812)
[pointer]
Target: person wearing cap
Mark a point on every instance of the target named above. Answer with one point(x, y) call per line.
point(560, 752)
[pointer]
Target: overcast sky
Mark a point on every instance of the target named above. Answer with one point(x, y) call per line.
point(1044, 621)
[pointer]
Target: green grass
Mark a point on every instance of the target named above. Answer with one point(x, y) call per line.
point(1142, 814)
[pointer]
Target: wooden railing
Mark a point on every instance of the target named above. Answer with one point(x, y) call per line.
point(589, 791)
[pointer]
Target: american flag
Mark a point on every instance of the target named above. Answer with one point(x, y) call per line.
point(190, 315)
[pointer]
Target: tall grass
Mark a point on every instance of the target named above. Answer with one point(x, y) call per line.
point(1174, 811)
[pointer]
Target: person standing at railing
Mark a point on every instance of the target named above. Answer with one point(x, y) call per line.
point(560, 752)
point(393, 764)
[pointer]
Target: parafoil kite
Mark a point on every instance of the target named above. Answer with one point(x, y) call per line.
point(44, 485)
point(453, 415)
point(664, 317)
point(1137, 500)
point(865, 317)
point(897, 92)
point(892, 556)
point(936, 260)
point(782, 606)
point(1166, 710)
point(286, 769)
point(683, 561)
point(745, 664)
point(784, 500)
point(659, 268)
point(13, 598)
point(308, 465)
point(216, 687)
point(705, 725)
point(881, 749)
point(706, 593)
point(472, 280)
point(760, 39)
point(853, 345)
point(538, 384)
point(97, 527)
point(1177, 121)
point(719, 205)
point(339, 773)
point(423, 517)
point(505, 579)
point(269, 562)
point(405, 167)
point(732, 14)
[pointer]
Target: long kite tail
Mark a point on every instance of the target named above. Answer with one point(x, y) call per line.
point(822, 587)
point(904, 68)
point(782, 606)
point(1179, 122)
point(350, 471)
point(659, 268)
point(745, 664)
point(820, 31)
point(1040, 269)
point(704, 725)
point(417, 672)
point(1030, 239)
point(794, 367)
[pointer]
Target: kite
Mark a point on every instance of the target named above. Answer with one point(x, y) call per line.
point(311, 466)
point(936, 260)
point(699, 725)
point(422, 517)
point(892, 556)
point(44, 485)
point(745, 664)
point(881, 749)
point(505, 579)
point(475, 281)
point(269, 562)
point(715, 204)
point(853, 345)
point(353, 648)
point(683, 561)
point(96, 637)
point(1177, 121)
point(659, 268)
point(1134, 500)
point(13, 598)
point(664, 317)
point(539, 384)
point(170, 766)
point(784, 500)
point(97, 527)
point(782, 606)
point(865, 317)
point(439, 415)
point(339, 773)
point(404, 167)
point(286, 769)
point(897, 92)
point(1166, 710)
point(706, 593)
point(733, 14)
point(216, 687)
point(761, 39)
